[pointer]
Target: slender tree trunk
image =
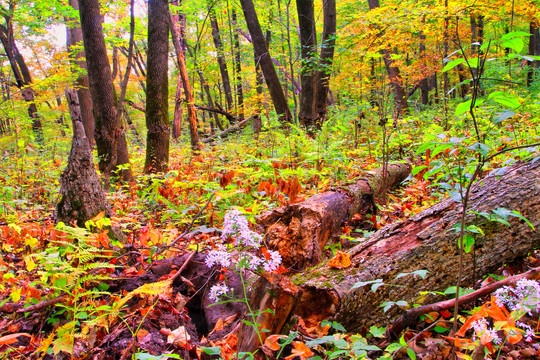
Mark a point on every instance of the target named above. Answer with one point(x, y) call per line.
point(400, 95)
point(424, 83)
point(534, 49)
point(291, 67)
point(192, 112)
point(267, 66)
point(22, 77)
point(221, 60)
point(157, 88)
point(74, 37)
point(326, 59)
point(109, 135)
point(177, 120)
point(238, 70)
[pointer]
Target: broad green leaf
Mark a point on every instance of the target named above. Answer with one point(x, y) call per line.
point(468, 242)
point(364, 283)
point(378, 332)
point(509, 100)
point(515, 44)
point(463, 107)
point(417, 169)
point(452, 64)
point(503, 116)
point(480, 148)
point(411, 353)
point(514, 34)
point(215, 350)
point(475, 230)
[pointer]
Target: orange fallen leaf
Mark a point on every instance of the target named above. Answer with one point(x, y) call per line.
point(271, 342)
point(340, 261)
point(300, 349)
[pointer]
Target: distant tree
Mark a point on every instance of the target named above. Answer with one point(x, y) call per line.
point(23, 79)
point(265, 60)
point(109, 135)
point(157, 88)
point(221, 59)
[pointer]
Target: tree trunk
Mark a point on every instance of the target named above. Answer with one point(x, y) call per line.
point(80, 188)
point(22, 77)
point(400, 95)
point(534, 49)
point(74, 37)
point(109, 135)
point(157, 88)
point(238, 69)
point(326, 59)
point(300, 231)
point(192, 113)
point(221, 60)
point(308, 74)
point(264, 58)
point(426, 241)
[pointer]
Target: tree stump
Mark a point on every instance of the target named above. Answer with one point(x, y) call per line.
point(80, 188)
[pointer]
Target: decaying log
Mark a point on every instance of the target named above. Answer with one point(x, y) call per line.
point(427, 241)
point(300, 231)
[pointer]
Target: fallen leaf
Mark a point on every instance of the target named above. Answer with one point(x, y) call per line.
point(271, 342)
point(340, 261)
point(10, 339)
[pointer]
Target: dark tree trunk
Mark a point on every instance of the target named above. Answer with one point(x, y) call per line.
point(238, 69)
point(426, 241)
point(80, 188)
point(108, 133)
point(326, 59)
point(534, 49)
point(400, 95)
point(264, 58)
point(157, 88)
point(308, 74)
point(22, 77)
point(74, 37)
point(424, 83)
point(221, 60)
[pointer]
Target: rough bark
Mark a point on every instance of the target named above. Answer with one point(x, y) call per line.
point(300, 231)
point(74, 37)
point(108, 133)
point(80, 188)
point(157, 88)
point(308, 74)
point(428, 241)
point(264, 58)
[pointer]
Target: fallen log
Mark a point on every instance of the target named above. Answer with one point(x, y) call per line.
point(426, 241)
point(227, 131)
point(300, 231)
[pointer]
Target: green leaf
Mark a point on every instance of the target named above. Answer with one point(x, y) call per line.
point(468, 243)
point(480, 148)
point(463, 107)
point(514, 44)
point(417, 169)
point(411, 353)
point(393, 347)
point(452, 64)
point(505, 99)
point(378, 332)
point(421, 273)
point(475, 230)
point(473, 63)
point(364, 283)
point(503, 116)
point(215, 350)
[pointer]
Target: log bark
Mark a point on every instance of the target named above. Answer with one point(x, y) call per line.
point(300, 231)
point(427, 241)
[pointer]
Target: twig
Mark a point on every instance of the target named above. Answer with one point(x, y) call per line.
point(43, 304)
point(177, 274)
point(409, 317)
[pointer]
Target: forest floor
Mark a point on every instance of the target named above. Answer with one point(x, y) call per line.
point(80, 293)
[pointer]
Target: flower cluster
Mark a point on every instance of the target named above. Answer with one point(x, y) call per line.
point(236, 226)
point(484, 332)
point(524, 297)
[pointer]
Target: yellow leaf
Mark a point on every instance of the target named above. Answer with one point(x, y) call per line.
point(16, 294)
point(340, 261)
point(30, 264)
point(31, 241)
